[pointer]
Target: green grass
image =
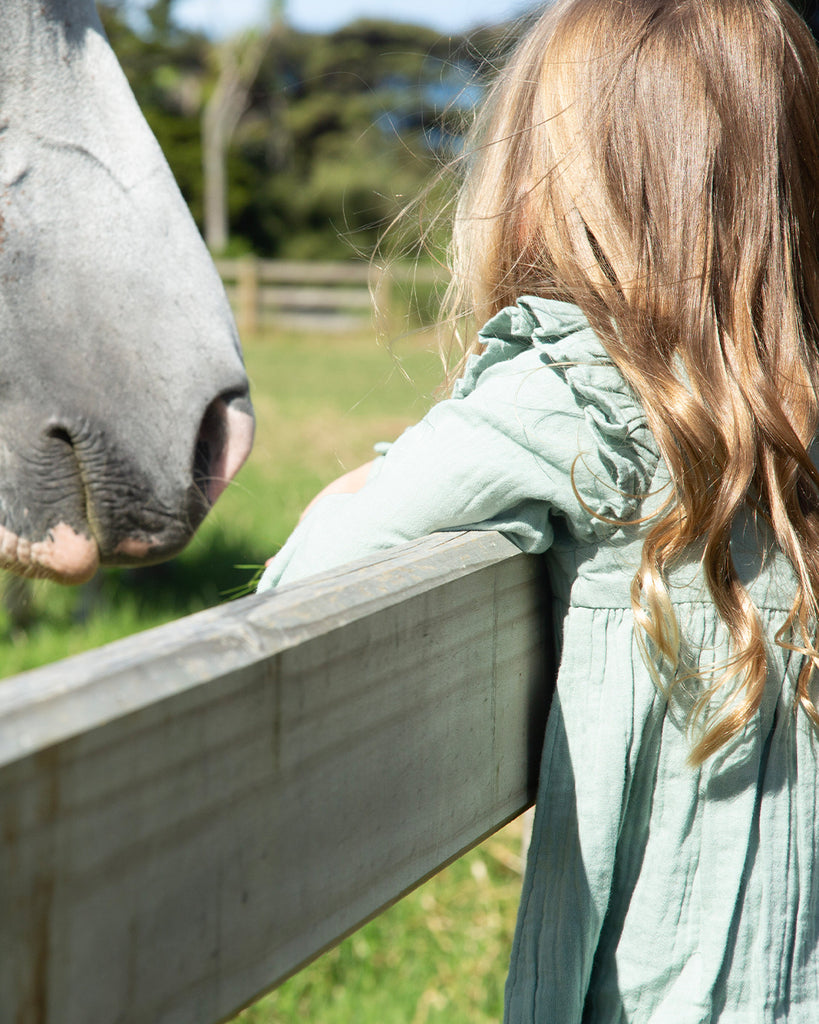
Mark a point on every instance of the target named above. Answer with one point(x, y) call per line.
point(440, 954)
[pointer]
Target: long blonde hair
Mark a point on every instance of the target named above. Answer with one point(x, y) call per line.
point(656, 162)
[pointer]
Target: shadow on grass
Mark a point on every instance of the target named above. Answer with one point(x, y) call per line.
point(208, 573)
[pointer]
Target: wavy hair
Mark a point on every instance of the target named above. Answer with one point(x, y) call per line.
point(656, 162)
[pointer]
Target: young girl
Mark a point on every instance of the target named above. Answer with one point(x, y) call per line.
point(638, 227)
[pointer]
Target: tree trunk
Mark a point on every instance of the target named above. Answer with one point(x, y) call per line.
point(240, 60)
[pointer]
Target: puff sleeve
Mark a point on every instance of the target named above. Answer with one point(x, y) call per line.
point(541, 424)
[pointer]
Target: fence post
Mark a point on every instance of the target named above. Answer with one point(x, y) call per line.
point(247, 296)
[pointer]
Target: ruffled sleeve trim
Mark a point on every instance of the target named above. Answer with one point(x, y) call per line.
point(531, 323)
point(618, 458)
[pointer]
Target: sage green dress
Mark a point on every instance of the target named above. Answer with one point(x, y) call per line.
point(654, 892)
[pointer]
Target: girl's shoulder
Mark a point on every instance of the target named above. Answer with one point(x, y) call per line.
point(556, 333)
point(564, 391)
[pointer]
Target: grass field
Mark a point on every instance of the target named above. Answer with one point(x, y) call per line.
point(439, 955)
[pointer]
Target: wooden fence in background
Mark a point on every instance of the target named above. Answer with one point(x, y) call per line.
point(189, 815)
point(320, 295)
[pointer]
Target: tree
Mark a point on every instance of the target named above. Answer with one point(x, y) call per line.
point(300, 144)
point(239, 61)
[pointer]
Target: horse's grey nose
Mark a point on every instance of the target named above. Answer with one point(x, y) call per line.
point(224, 442)
point(139, 503)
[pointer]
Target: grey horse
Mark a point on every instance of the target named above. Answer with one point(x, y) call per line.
point(124, 404)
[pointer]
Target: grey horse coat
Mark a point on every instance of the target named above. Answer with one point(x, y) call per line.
point(124, 404)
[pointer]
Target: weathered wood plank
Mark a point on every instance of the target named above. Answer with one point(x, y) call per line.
point(299, 272)
point(328, 321)
point(273, 297)
point(188, 816)
point(299, 295)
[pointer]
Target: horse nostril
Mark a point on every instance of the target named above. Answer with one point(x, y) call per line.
point(209, 444)
point(60, 434)
point(222, 445)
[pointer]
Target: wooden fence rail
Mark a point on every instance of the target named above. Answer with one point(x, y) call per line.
point(189, 815)
point(324, 296)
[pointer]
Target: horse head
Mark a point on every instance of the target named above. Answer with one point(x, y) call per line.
point(124, 405)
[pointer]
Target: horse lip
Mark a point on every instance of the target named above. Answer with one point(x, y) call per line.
point(142, 551)
point(112, 503)
point(72, 557)
point(134, 548)
point(123, 527)
point(160, 535)
point(64, 555)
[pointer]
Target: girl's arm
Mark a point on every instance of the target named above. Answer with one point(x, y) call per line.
point(540, 426)
point(487, 460)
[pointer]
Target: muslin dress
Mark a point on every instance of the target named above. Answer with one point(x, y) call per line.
point(654, 892)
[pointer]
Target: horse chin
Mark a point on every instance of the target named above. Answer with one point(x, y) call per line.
point(134, 551)
point(64, 556)
point(69, 557)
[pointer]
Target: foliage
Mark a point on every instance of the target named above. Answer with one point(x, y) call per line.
point(363, 118)
point(342, 132)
